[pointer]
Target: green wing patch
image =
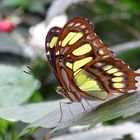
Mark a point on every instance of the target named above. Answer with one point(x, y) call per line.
point(87, 83)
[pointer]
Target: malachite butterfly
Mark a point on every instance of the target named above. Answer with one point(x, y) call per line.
point(84, 65)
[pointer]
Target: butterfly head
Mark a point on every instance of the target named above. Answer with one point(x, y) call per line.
point(60, 90)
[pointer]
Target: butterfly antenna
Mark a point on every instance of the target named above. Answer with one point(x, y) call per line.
point(28, 72)
point(29, 68)
point(42, 77)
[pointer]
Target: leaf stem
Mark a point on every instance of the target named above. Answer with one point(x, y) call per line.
point(2, 136)
point(13, 132)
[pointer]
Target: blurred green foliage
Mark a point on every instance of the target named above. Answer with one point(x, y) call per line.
point(30, 5)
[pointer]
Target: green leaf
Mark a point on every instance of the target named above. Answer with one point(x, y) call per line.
point(59, 7)
point(14, 3)
point(104, 7)
point(28, 131)
point(8, 45)
point(3, 125)
point(16, 87)
point(48, 114)
point(104, 133)
point(129, 53)
point(31, 5)
point(36, 6)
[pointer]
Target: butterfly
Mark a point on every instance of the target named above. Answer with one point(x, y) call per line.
point(84, 65)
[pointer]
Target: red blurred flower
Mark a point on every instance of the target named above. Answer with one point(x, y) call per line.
point(6, 25)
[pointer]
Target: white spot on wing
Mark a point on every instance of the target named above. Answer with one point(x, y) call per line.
point(77, 24)
point(48, 44)
point(59, 43)
point(82, 26)
point(100, 41)
point(57, 53)
point(101, 52)
point(48, 53)
point(70, 24)
point(99, 64)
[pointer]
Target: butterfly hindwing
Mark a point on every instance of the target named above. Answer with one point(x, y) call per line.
point(50, 43)
point(114, 75)
point(89, 85)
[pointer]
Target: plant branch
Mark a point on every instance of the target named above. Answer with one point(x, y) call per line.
point(126, 46)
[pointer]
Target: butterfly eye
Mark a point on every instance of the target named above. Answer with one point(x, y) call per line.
point(61, 91)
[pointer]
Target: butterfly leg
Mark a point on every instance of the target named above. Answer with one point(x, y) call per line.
point(83, 106)
point(60, 104)
point(89, 104)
